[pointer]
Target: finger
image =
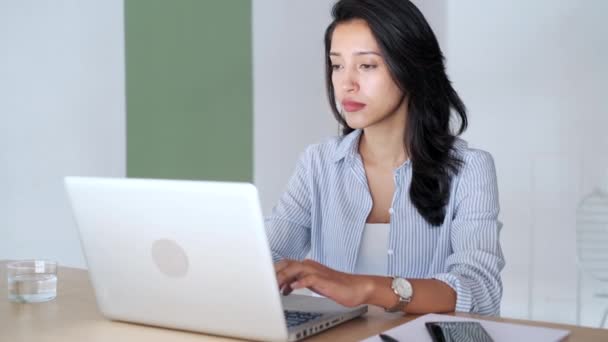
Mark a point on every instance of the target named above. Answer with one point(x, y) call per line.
point(286, 290)
point(319, 285)
point(295, 271)
point(290, 273)
point(312, 281)
point(279, 267)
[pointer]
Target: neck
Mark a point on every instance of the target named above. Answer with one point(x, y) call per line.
point(382, 144)
point(383, 148)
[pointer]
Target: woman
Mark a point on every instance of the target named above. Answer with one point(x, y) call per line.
point(397, 212)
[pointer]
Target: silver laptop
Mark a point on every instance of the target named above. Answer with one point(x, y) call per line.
point(189, 255)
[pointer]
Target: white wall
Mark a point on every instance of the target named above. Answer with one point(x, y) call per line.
point(62, 110)
point(532, 74)
point(290, 105)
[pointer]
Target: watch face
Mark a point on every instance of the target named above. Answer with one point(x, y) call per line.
point(403, 287)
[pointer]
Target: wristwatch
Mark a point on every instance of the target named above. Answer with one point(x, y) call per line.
point(403, 289)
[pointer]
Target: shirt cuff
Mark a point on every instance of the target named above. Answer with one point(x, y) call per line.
point(464, 298)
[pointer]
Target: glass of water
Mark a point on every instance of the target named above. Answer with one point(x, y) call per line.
point(32, 281)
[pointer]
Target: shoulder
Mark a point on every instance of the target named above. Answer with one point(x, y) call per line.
point(473, 160)
point(477, 173)
point(475, 188)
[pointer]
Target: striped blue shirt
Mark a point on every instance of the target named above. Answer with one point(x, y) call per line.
point(325, 207)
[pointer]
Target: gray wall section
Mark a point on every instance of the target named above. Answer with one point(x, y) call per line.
point(189, 89)
point(532, 74)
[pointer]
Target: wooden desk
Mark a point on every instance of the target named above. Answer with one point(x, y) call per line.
point(73, 316)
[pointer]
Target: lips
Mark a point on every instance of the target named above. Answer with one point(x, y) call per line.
point(352, 106)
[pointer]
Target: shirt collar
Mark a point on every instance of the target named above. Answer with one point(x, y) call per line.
point(348, 146)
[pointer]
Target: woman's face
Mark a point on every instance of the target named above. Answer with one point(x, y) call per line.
point(362, 83)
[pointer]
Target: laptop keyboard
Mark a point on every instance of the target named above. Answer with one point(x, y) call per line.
point(295, 318)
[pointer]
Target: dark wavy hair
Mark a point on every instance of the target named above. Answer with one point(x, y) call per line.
point(416, 64)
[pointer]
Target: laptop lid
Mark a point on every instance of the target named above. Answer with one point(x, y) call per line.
point(181, 254)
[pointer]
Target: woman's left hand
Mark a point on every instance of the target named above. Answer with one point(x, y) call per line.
point(346, 289)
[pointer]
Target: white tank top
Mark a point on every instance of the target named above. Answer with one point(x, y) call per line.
point(373, 258)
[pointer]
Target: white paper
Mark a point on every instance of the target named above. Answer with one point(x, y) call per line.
point(500, 332)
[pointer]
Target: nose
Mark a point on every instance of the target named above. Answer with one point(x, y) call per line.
point(350, 83)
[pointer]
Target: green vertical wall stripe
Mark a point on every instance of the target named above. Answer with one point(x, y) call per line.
point(189, 89)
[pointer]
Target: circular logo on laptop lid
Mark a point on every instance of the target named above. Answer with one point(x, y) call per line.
point(170, 258)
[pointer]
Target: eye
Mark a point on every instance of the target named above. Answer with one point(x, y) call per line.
point(368, 66)
point(335, 67)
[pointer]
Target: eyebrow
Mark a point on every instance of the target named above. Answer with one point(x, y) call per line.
point(359, 53)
